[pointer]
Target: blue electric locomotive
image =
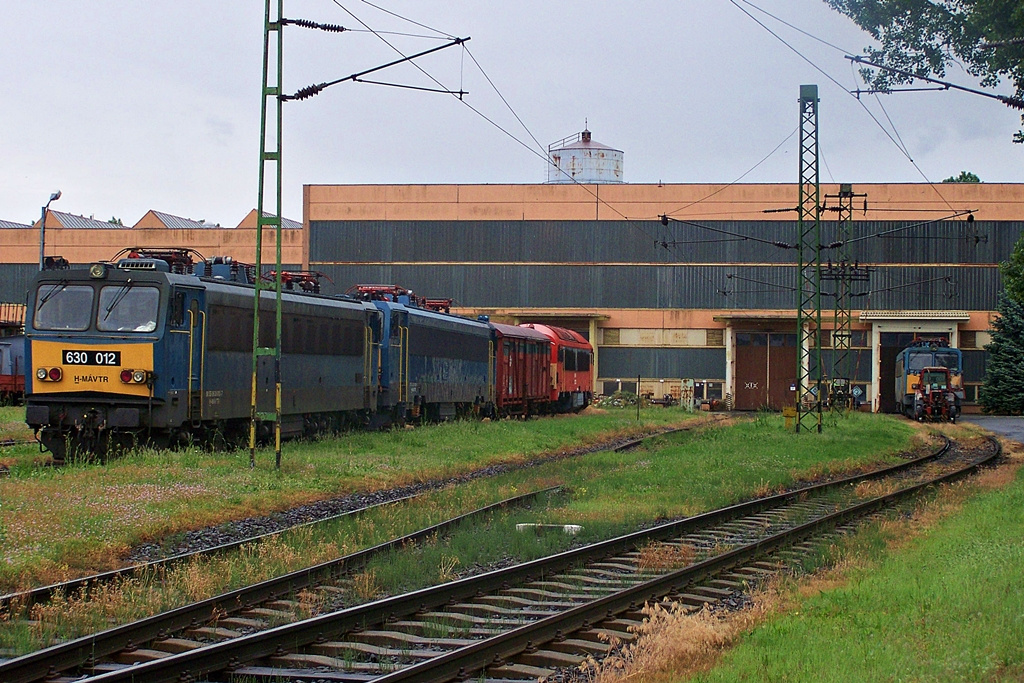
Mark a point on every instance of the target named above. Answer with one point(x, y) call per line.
point(155, 348)
point(433, 365)
point(133, 350)
point(927, 371)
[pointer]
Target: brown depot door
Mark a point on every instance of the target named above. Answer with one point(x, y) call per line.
point(751, 370)
point(765, 370)
point(781, 370)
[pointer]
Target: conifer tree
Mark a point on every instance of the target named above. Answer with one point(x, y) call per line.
point(1003, 391)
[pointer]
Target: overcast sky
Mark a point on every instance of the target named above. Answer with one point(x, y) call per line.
point(127, 106)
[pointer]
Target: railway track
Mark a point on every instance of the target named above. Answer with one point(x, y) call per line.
point(225, 611)
point(520, 622)
point(41, 594)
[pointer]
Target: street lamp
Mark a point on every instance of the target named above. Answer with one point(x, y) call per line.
point(42, 225)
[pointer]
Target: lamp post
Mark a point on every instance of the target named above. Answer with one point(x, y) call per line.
point(42, 225)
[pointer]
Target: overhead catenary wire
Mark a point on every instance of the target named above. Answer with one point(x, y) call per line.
point(1008, 100)
point(885, 233)
point(741, 177)
point(407, 19)
point(541, 152)
point(889, 135)
point(317, 88)
point(665, 219)
point(774, 285)
point(946, 278)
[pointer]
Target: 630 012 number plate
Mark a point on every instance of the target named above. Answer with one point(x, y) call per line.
point(83, 357)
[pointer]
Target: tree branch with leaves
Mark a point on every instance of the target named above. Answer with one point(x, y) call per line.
point(983, 37)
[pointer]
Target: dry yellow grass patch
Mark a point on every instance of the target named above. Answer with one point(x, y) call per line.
point(365, 586)
point(674, 643)
point(665, 556)
point(446, 571)
point(875, 489)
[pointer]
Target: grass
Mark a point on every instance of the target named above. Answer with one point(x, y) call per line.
point(929, 594)
point(948, 606)
point(56, 523)
point(12, 423)
point(690, 472)
point(137, 596)
point(609, 493)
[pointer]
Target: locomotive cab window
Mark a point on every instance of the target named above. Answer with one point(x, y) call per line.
point(396, 330)
point(935, 380)
point(918, 360)
point(128, 308)
point(176, 315)
point(60, 306)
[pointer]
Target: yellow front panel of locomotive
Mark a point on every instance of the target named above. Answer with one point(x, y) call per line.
point(912, 379)
point(92, 377)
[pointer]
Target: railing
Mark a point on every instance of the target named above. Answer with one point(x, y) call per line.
point(12, 315)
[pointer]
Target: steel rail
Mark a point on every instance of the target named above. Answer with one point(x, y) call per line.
point(44, 593)
point(472, 658)
point(197, 663)
point(47, 662)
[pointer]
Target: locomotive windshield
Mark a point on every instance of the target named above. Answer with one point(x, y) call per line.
point(918, 360)
point(60, 306)
point(934, 379)
point(947, 360)
point(125, 308)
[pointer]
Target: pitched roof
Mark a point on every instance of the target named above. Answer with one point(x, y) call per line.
point(179, 223)
point(70, 220)
point(286, 223)
point(11, 224)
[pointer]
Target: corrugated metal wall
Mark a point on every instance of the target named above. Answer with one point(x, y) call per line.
point(861, 363)
point(975, 365)
point(647, 242)
point(698, 363)
point(520, 263)
point(15, 280)
point(580, 286)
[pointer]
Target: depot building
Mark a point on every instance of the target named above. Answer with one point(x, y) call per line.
point(709, 297)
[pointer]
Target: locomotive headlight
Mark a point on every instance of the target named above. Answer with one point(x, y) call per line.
point(55, 374)
point(98, 271)
point(138, 376)
point(126, 376)
point(41, 374)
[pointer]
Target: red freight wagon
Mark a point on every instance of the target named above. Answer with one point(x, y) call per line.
point(572, 383)
point(522, 370)
point(12, 368)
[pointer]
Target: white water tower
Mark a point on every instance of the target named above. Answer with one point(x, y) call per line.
point(580, 159)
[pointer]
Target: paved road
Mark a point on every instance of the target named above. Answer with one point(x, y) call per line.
point(1010, 427)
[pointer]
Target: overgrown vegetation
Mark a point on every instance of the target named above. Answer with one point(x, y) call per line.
point(926, 594)
point(56, 523)
point(945, 606)
point(607, 493)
